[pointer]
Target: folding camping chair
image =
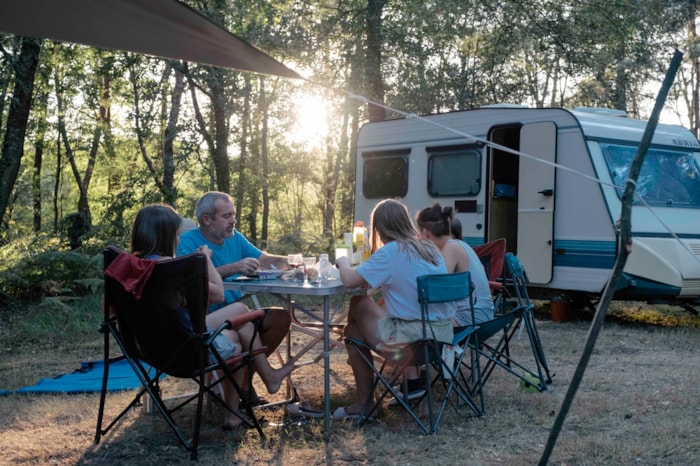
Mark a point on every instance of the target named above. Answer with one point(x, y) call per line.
point(536, 373)
point(425, 352)
point(142, 302)
point(519, 279)
point(492, 256)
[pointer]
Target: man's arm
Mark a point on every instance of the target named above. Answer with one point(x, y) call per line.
point(244, 266)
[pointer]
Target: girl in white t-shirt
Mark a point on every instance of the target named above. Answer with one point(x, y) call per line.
point(398, 257)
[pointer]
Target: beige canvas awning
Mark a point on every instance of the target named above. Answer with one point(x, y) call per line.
point(162, 28)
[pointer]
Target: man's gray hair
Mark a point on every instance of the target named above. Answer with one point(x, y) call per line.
point(206, 205)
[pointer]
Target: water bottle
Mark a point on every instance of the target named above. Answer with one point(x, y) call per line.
point(325, 268)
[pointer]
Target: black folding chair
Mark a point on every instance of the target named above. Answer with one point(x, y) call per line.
point(426, 352)
point(155, 311)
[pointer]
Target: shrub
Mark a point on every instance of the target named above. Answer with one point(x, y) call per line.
point(36, 268)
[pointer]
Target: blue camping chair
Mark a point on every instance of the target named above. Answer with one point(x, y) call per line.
point(426, 352)
point(532, 371)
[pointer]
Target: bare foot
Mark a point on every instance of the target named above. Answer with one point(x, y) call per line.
point(232, 423)
point(277, 377)
point(354, 409)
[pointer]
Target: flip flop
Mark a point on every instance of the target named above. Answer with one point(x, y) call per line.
point(303, 408)
point(255, 401)
point(341, 413)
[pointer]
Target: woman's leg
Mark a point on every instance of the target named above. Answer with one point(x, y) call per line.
point(363, 316)
point(229, 391)
point(218, 317)
point(275, 327)
point(275, 324)
point(272, 378)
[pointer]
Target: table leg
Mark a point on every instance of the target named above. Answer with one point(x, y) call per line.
point(291, 390)
point(326, 368)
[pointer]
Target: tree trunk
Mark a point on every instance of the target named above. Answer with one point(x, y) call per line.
point(243, 149)
point(40, 105)
point(57, 183)
point(5, 80)
point(168, 190)
point(373, 70)
point(264, 154)
point(220, 152)
point(13, 143)
point(695, 83)
point(83, 205)
point(218, 142)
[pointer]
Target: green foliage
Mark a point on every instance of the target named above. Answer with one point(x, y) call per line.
point(68, 321)
point(307, 244)
point(39, 269)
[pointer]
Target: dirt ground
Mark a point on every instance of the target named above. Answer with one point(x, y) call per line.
point(637, 404)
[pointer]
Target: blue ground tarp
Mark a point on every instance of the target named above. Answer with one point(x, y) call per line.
point(86, 379)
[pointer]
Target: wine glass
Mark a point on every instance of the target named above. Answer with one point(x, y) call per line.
point(295, 260)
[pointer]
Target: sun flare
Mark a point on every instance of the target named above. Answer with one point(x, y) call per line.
point(311, 121)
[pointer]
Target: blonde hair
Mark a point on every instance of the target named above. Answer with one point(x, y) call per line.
point(390, 221)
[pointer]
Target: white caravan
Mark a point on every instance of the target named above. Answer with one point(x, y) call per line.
point(559, 221)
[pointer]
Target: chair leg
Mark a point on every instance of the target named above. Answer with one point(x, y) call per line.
point(450, 379)
point(372, 404)
point(104, 328)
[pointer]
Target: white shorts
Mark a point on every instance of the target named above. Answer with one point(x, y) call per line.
point(392, 331)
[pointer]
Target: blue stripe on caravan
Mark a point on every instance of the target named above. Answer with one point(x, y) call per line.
point(473, 241)
point(575, 253)
point(585, 254)
point(665, 235)
point(633, 287)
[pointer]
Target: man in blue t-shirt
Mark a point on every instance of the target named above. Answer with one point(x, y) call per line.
point(233, 254)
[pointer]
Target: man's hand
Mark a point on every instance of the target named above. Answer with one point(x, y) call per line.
point(204, 249)
point(247, 266)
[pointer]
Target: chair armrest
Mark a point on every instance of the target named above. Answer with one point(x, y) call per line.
point(236, 322)
point(236, 358)
point(240, 320)
point(495, 286)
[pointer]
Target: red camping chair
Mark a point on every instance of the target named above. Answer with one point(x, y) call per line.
point(492, 255)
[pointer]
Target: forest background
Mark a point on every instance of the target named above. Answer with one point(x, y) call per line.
point(91, 135)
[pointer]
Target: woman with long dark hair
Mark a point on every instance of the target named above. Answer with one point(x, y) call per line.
point(155, 235)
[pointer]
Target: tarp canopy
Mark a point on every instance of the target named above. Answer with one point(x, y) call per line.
point(163, 28)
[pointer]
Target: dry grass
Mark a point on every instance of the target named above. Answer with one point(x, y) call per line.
point(637, 405)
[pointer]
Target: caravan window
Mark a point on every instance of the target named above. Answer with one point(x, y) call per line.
point(385, 174)
point(668, 178)
point(454, 172)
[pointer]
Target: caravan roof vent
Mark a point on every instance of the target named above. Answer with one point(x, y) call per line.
point(601, 111)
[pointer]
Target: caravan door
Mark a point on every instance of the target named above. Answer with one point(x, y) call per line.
point(536, 200)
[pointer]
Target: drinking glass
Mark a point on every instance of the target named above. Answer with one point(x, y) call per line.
point(309, 262)
point(295, 260)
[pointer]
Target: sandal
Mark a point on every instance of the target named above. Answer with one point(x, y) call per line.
point(303, 408)
point(341, 413)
